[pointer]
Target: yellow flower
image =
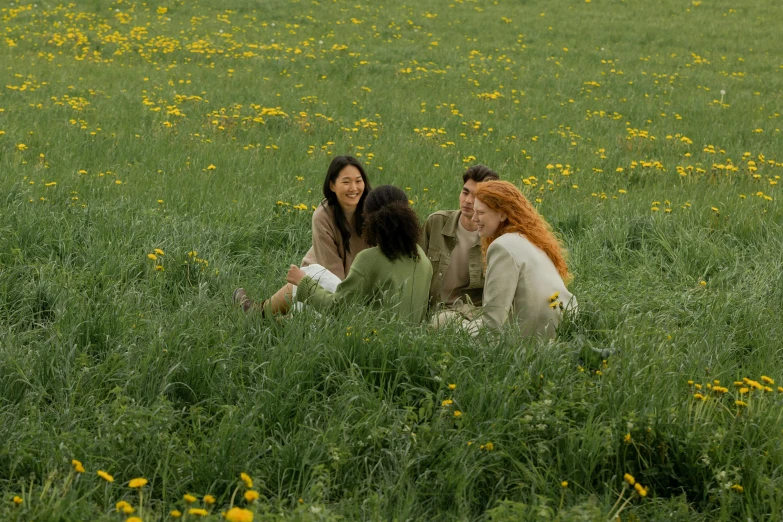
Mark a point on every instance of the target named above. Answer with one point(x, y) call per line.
point(640, 489)
point(767, 379)
point(159, 252)
point(446, 403)
point(554, 296)
point(236, 514)
point(123, 506)
point(176, 513)
point(737, 488)
point(105, 476)
point(246, 479)
point(703, 283)
point(211, 167)
point(21, 146)
point(741, 404)
point(251, 495)
point(137, 483)
point(133, 519)
point(18, 500)
point(209, 499)
point(627, 438)
point(629, 479)
point(77, 466)
point(199, 512)
point(454, 386)
point(152, 256)
point(189, 498)
point(457, 413)
point(564, 484)
point(743, 391)
point(488, 446)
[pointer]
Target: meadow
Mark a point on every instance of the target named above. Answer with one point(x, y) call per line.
point(156, 155)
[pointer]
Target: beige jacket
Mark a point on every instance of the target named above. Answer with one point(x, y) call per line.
point(520, 284)
point(327, 249)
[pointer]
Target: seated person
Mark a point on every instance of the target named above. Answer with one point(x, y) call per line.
point(337, 234)
point(393, 274)
point(526, 267)
point(452, 244)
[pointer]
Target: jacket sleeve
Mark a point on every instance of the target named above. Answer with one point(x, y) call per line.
point(325, 244)
point(351, 290)
point(500, 285)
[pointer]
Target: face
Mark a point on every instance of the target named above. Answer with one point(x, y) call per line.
point(487, 221)
point(467, 197)
point(349, 187)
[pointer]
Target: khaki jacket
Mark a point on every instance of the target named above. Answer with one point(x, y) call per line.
point(438, 239)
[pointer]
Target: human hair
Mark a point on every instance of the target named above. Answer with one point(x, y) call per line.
point(480, 173)
point(335, 167)
point(391, 224)
point(521, 217)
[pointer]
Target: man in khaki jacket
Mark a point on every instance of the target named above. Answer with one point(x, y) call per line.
point(453, 246)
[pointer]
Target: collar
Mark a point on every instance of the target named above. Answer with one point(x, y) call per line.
point(450, 226)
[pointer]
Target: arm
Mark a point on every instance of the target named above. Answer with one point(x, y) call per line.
point(352, 289)
point(325, 244)
point(500, 285)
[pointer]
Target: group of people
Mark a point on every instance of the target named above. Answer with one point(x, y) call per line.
point(493, 262)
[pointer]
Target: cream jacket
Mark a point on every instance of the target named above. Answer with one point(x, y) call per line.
point(523, 285)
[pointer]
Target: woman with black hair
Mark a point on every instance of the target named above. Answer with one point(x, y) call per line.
point(337, 234)
point(393, 274)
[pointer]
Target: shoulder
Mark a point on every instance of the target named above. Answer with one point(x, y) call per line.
point(323, 214)
point(366, 258)
point(441, 216)
point(512, 243)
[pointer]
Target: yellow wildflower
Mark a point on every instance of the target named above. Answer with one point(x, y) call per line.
point(627, 438)
point(189, 498)
point(137, 483)
point(457, 413)
point(152, 256)
point(105, 476)
point(211, 167)
point(454, 386)
point(124, 507)
point(133, 519)
point(767, 380)
point(77, 466)
point(640, 489)
point(737, 488)
point(246, 479)
point(176, 513)
point(159, 252)
point(251, 495)
point(18, 500)
point(629, 479)
point(199, 512)
point(446, 403)
point(209, 499)
point(741, 404)
point(236, 514)
point(564, 484)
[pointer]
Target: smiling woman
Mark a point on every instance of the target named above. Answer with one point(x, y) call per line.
point(337, 235)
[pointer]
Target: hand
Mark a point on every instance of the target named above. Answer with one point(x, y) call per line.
point(295, 275)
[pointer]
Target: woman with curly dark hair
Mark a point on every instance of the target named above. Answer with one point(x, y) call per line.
point(393, 274)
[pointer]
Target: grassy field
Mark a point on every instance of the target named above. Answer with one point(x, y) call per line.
point(648, 133)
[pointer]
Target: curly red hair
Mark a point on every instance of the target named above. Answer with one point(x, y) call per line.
point(522, 217)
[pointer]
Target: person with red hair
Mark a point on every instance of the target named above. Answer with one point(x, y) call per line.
point(525, 263)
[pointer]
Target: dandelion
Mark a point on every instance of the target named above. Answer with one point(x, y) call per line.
point(741, 404)
point(236, 514)
point(767, 380)
point(77, 466)
point(640, 489)
point(246, 479)
point(627, 438)
point(453, 387)
point(21, 146)
point(133, 519)
point(175, 513)
point(446, 403)
point(189, 498)
point(209, 499)
point(152, 257)
point(137, 483)
point(105, 476)
point(737, 488)
point(703, 282)
point(457, 413)
point(211, 167)
point(124, 507)
point(199, 512)
point(251, 495)
point(629, 479)
point(159, 252)
point(18, 500)
point(564, 484)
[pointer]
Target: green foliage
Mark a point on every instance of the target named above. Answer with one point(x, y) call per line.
point(205, 132)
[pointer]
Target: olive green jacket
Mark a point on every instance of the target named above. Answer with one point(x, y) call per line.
point(438, 239)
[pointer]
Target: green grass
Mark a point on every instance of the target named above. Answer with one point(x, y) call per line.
point(123, 130)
